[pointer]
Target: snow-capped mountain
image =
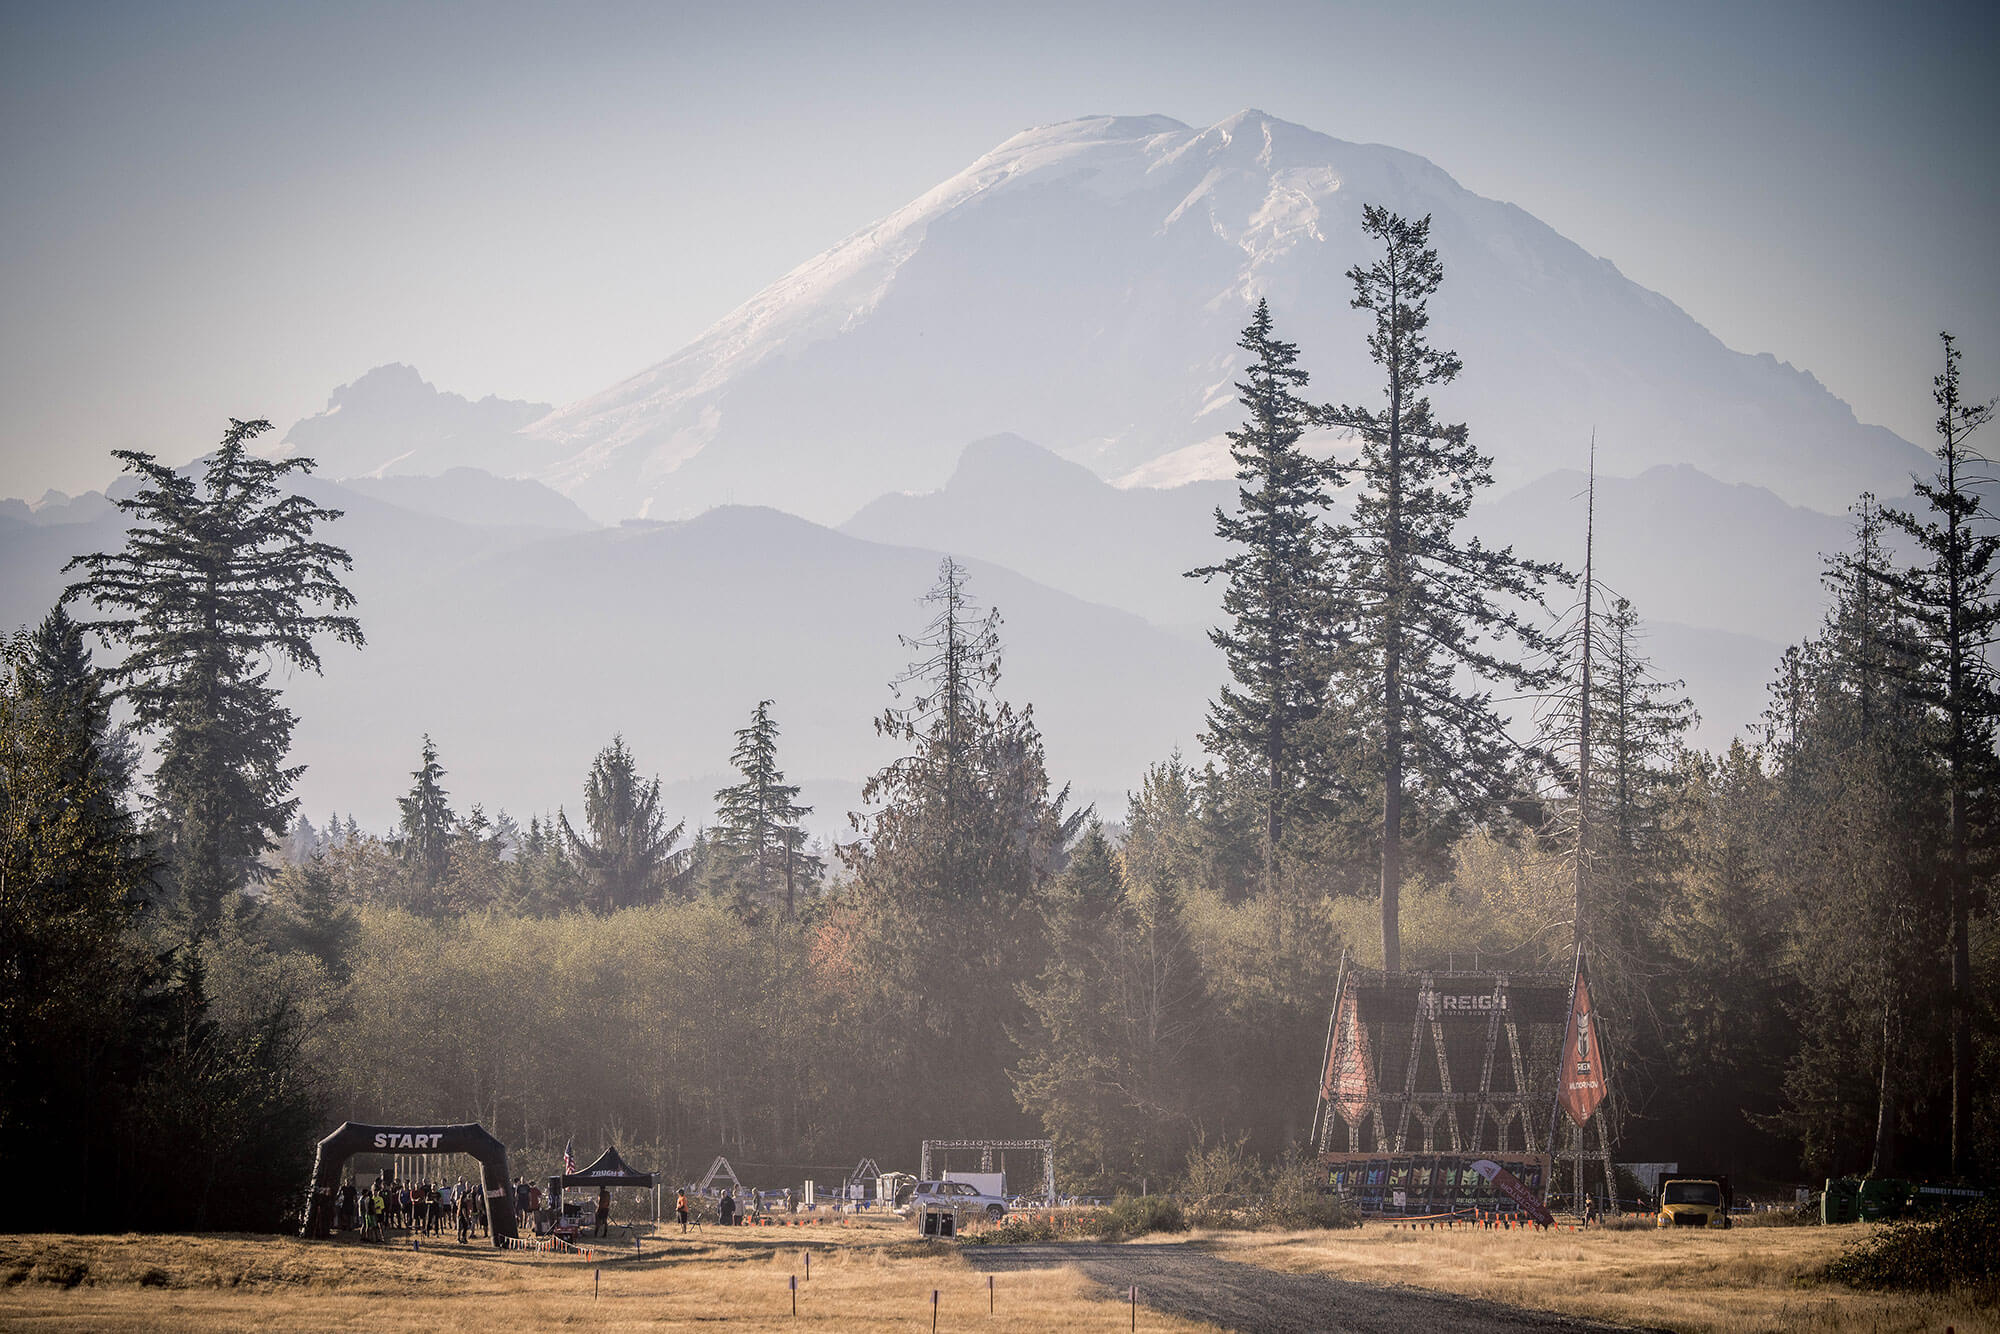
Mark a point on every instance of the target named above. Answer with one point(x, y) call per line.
point(1083, 285)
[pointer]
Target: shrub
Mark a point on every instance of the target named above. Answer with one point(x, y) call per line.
point(1298, 1197)
point(62, 1273)
point(1961, 1247)
point(1137, 1215)
point(1316, 1210)
point(1217, 1172)
point(1017, 1230)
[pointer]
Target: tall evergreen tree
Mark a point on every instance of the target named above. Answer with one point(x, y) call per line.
point(1854, 845)
point(221, 578)
point(426, 825)
point(944, 720)
point(1066, 1074)
point(937, 920)
point(629, 857)
point(1423, 608)
point(1951, 596)
point(1720, 993)
point(310, 915)
point(757, 820)
point(1276, 595)
point(1643, 720)
point(1623, 844)
point(1163, 1029)
point(73, 872)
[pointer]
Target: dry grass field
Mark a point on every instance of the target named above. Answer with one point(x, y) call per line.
point(1746, 1279)
point(873, 1276)
point(876, 1276)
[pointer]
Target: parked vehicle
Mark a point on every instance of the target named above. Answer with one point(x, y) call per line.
point(962, 1198)
point(1694, 1201)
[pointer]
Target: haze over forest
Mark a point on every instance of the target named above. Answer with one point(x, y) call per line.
point(1000, 678)
point(1071, 298)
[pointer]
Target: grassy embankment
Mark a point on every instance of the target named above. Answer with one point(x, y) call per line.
point(871, 1276)
point(1746, 1279)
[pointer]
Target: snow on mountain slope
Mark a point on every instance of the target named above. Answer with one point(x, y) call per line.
point(1083, 285)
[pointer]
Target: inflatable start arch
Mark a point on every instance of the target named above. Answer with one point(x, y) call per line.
point(350, 1139)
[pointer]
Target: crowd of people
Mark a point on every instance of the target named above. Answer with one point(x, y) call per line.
point(376, 1209)
point(433, 1209)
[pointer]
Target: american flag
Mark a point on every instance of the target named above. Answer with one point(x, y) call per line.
point(569, 1158)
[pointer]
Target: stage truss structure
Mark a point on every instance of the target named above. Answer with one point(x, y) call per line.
point(986, 1148)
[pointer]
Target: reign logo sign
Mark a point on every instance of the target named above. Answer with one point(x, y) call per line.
point(1436, 1002)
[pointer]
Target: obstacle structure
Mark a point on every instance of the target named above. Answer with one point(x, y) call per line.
point(1430, 1073)
point(862, 1179)
point(471, 1139)
point(986, 1148)
point(720, 1170)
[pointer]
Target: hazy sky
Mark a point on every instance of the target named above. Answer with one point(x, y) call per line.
point(222, 210)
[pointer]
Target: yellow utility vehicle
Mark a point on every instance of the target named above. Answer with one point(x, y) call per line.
point(1694, 1201)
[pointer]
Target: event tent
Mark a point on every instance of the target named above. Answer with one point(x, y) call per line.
point(608, 1170)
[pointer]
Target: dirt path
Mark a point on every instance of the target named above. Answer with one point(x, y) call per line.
point(1185, 1281)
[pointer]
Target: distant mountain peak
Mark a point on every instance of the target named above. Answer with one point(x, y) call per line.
point(1084, 283)
point(392, 420)
point(1010, 459)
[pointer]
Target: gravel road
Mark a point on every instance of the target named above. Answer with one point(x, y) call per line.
point(1185, 1281)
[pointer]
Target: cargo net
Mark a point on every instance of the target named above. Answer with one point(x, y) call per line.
point(1427, 1073)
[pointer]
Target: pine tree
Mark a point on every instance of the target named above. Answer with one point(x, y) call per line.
point(757, 820)
point(1952, 599)
point(1622, 843)
point(73, 873)
point(1164, 839)
point(1720, 994)
point(426, 825)
point(1164, 1018)
point(312, 916)
point(302, 841)
point(1276, 593)
point(1421, 608)
point(944, 720)
point(1067, 1075)
point(1111, 1060)
point(220, 579)
point(628, 859)
point(1855, 845)
point(939, 911)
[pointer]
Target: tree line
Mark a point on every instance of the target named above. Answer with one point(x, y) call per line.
point(1427, 752)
